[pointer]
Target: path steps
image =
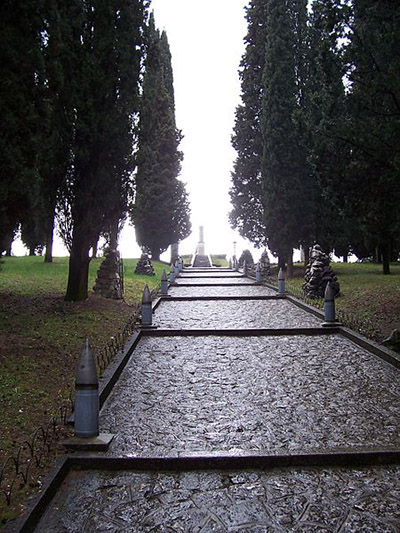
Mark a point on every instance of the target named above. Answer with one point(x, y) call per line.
point(239, 412)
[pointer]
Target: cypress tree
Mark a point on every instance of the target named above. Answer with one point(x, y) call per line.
point(161, 210)
point(105, 57)
point(373, 123)
point(247, 214)
point(324, 111)
point(21, 73)
point(286, 174)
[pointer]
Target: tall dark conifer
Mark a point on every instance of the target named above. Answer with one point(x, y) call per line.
point(21, 73)
point(286, 175)
point(105, 57)
point(324, 111)
point(373, 123)
point(161, 210)
point(247, 214)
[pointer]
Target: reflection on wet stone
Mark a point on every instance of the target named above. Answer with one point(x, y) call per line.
point(307, 500)
point(278, 394)
point(238, 314)
point(250, 290)
point(241, 395)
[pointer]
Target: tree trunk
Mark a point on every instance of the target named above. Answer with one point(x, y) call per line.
point(32, 250)
point(306, 251)
point(48, 258)
point(9, 246)
point(114, 234)
point(289, 271)
point(345, 259)
point(95, 248)
point(385, 253)
point(78, 274)
point(155, 255)
point(281, 262)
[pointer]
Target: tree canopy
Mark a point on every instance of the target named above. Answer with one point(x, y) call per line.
point(320, 83)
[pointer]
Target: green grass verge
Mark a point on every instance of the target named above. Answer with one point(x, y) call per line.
point(41, 338)
point(365, 294)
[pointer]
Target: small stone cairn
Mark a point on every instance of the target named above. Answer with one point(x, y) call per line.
point(318, 273)
point(144, 266)
point(108, 283)
point(265, 265)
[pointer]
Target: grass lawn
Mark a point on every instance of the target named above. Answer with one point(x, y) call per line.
point(41, 338)
point(366, 294)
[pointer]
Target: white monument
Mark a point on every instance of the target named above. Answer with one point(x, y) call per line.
point(200, 257)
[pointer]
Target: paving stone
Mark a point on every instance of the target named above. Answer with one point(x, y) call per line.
point(212, 273)
point(232, 314)
point(306, 500)
point(214, 281)
point(244, 395)
point(220, 290)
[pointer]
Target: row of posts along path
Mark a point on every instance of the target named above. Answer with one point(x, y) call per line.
point(240, 412)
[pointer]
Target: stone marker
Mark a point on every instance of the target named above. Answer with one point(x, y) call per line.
point(144, 266)
point(318, 273)
point(108, 283)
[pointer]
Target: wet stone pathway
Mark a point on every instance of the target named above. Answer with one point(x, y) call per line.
point(213, 395)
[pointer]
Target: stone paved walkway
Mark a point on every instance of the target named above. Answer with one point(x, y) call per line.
point(227, 395)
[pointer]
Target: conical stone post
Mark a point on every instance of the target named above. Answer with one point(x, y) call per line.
point(281, 281)
point(164, 283)
point(258, 274)
point(86, 395)
point(147, 311)
point(245, 268)
point(172, 274)
point(329, 306)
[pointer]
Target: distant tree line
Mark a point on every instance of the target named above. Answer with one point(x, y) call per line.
point(317, 133)
point(73, 100)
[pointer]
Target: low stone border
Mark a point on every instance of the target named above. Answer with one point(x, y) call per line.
point(212, 284)
point(238, 332)
point(221, 298)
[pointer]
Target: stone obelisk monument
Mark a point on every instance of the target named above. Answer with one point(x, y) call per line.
point(200, 258)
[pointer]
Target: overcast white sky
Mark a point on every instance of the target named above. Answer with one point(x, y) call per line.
point(206, 41)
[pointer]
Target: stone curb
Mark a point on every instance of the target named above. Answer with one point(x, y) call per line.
point(186, 276)
point(251, 284)
point(222, 298)
point(239, 332)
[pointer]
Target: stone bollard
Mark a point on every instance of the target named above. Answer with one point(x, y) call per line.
point(236, 265)
point(230, 263)
point(147, 311)
point(281, 281)
point(86, 395)
point(164, 283)
point(177, 268)
point(181, 265)
point(258, 274)
point(245, 268)
point(329, 306)
point(172, 274)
